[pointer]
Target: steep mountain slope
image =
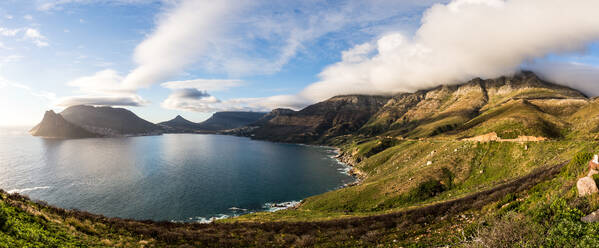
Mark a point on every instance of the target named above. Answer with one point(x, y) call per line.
point(337, 116)
point(523, 104)
point(229, 120)
point(109, 121)
point(180, 124)
point(449, 108)
point(55, 126)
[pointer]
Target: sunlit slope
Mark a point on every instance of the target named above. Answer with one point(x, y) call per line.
point(415, 173)
point(520, 105)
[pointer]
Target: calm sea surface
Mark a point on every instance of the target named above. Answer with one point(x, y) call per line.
point(179, 177)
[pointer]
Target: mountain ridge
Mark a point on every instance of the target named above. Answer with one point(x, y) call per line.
point(445, 110)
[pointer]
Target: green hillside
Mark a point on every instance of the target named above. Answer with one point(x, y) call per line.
point(421, 183)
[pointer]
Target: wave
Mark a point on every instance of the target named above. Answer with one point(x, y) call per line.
point(207, 220)
point(20, 191)
point(273, 207)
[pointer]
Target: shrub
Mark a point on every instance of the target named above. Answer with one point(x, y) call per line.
point(578, 164)
point(596, 178)
point(3, 218)
point(427, 190)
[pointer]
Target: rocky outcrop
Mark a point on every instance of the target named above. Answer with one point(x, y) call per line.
point(593, 217)
point(586, 186)
point(55, 126)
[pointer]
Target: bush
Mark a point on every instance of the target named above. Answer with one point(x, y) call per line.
point(3, 218)
point(596, 178)
point(426, 190)
point(578, 164)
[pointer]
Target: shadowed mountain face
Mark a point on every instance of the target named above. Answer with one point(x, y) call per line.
point(109, 121)
point(229, 120)
point(55, 126)
point(219, 121)
point(180, 124)
point(510, 106)
point(337, 116)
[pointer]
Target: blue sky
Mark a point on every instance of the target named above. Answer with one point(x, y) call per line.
point(194, 57)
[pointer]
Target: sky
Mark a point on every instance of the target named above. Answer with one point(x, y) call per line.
point(162, 58)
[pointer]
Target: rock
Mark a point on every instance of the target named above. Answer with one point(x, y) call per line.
point(593, 217)
point(594, 164)
point(586, 186)
point(592, 172)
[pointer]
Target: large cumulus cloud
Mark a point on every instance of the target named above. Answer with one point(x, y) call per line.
point(462, 40)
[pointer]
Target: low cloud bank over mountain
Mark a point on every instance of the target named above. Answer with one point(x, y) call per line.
point(462, 40)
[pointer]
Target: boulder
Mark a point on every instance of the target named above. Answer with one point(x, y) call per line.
point(594, 164)
point(593, 217)
point(586, 186)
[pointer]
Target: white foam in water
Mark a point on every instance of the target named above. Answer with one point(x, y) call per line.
point(20, 191)
point(273, 207)
point(205, 220)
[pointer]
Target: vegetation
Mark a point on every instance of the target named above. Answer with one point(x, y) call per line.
point(421, 184)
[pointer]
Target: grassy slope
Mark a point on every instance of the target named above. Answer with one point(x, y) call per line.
point(397, 177)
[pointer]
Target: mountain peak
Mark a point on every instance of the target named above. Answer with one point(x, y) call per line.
point(55, 126)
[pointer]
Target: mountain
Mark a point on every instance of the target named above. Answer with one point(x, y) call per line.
point(229, 120)
point(523, 104)
point(55, 126)
point(109, 121)
point(336, 116)
point(180, 124)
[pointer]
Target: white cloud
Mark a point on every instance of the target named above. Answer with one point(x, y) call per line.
point(211, 104)
point(459, 41)
point(578, 76)
point(105, 81)
point(28, 17)
point(106, 100)
point(191, 100)
point(180, 37)
point(204, 84)
point(104, 88)
point(9, 17)
point(36, 37)
point(266, 36)
point(47, 5)
point(9, 32)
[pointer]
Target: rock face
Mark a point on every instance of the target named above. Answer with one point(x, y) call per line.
point(55, 126)
point(108, 121)
point(593, 217)
point(594, 164)
point(180, 124)
point(586, 186)
point(337, 116)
